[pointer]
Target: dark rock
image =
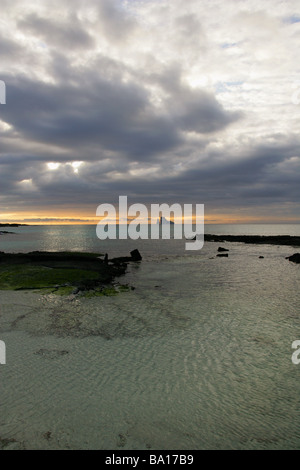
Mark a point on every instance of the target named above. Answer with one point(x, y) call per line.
point(261, 257)
point(223, 255)
point(135, 255)
point(106, 259)
point(220, 249)
point(295, 258)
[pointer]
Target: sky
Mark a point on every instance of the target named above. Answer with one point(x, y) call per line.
point(164, 101)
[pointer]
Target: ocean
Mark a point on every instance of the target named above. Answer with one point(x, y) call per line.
point(197, 356)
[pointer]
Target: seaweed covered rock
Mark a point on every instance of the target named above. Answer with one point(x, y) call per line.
point(58, 270)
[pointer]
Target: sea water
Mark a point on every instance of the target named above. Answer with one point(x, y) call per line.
point(197, 356)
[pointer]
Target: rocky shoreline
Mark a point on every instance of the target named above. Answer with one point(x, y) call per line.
point(5, 232)
point(13, 225)
point(255, 239)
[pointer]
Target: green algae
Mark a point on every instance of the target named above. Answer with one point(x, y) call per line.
point(67, 290)
point(39, 277)
point(60, 273)
point(106, 291)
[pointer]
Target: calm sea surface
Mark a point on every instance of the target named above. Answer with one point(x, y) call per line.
point(198, 356)
point(84, 238)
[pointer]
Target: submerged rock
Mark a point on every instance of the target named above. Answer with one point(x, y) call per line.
point(295, 258)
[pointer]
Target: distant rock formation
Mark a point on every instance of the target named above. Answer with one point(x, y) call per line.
point(164, 221)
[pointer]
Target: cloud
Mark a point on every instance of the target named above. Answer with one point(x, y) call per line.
point(68, 34)
point(115, 22)
point(58, 220)
point(162, 101)
point(9, 48)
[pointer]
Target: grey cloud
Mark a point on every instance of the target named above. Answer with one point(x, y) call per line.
point(115, 21)
point(127, 110)
point(9, 49)
point(70, 34)
point(45, 220)
point(114, 115)
point(252, 180)
point(193, 109)
point(200, 112)
point(190, 36)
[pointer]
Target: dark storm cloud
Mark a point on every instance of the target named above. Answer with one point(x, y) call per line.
point(254, 179)
point(111, 116)
point(120, 89)
point(114, 115)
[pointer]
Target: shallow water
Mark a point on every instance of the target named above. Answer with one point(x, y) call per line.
point(198, 356)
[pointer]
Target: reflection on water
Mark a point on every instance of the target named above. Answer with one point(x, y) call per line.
point(198, 356)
